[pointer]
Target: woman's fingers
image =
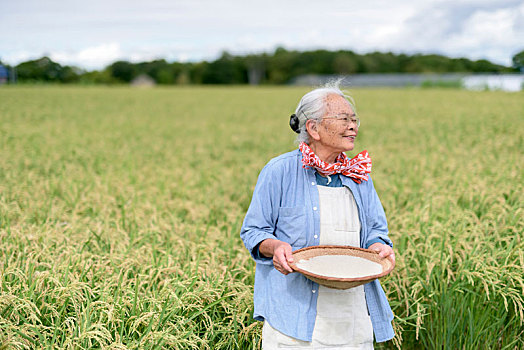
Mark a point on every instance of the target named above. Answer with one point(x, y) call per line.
point(384, 251)
point(387, 252)
point(391, 256)
point(288, 254)
point(282, 256)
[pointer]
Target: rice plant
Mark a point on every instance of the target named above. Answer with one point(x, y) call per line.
point(120, 211)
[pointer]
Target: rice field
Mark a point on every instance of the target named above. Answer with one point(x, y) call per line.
point(120, 212)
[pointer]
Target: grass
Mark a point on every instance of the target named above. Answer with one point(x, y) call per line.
point(120, 211)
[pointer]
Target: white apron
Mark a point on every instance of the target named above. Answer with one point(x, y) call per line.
point(342, 320)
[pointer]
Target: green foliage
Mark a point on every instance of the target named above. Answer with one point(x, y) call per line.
point(123, 71)
point(197, 72)
point(278, 68)
point(453, 84)
point(120, 211)
point(378, 62)
point(44, 69)
point(518, 61)
point(225, 70)
point(345, 63)
point(98, 77)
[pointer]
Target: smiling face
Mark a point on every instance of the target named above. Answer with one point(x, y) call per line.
point(332, 136)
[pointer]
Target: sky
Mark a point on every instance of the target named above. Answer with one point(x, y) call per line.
point(93, 34)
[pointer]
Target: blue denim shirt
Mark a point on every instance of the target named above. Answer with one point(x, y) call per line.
point(285, 206)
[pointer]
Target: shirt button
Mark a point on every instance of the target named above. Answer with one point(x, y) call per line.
point(314, 208)
point(313, 183)
point(316, 236)
point(314, 291)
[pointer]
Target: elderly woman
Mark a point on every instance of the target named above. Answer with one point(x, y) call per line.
point(311, 196)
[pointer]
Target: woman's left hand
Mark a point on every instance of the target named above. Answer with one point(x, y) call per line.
point(384, 251)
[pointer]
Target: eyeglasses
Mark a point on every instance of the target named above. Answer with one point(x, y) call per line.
point(346, 119)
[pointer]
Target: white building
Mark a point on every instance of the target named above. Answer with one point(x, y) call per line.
point(504, 82)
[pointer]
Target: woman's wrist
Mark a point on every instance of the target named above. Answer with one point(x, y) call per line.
point(267, 247)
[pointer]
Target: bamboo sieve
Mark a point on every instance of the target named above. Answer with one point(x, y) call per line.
point(335, 282)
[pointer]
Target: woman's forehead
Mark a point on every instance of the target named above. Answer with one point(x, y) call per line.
point(337, 104)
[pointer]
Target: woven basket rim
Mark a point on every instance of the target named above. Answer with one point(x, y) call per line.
point(338, 279)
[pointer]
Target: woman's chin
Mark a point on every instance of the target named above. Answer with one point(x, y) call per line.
point(348, 146)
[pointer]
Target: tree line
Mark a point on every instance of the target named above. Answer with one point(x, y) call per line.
point(279, 67)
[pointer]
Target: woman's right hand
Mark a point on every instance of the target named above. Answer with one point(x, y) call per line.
point(281, 253)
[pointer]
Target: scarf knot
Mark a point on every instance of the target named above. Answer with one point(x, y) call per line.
point(356, 168)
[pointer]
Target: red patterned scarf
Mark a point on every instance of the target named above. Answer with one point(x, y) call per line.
point(356, 168)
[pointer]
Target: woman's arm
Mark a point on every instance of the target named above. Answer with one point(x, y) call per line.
point(258, 229)
point(378, 238)
point(259, 223)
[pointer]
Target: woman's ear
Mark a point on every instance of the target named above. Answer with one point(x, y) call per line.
point(311, 127)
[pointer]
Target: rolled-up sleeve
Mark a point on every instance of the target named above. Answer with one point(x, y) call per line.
point(259, 223)
point(376, 217)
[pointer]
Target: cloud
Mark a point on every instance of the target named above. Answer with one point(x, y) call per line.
point(16, 57)
point(100, 56)
point(480, 29)
point(96, 34)
point(91, 57)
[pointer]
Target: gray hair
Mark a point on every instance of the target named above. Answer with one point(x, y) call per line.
point(312, 107)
